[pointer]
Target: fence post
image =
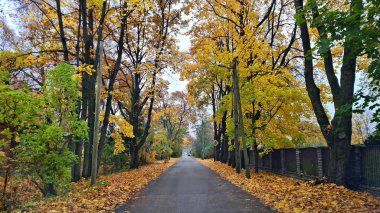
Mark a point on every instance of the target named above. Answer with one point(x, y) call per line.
point(270, 162)
point(260, 162)
point(282, 161)
point(319, 162)
point(251, 159)
point(298, 161)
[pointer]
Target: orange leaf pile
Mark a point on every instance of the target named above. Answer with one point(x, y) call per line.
point(111, 190)
point(287, 194)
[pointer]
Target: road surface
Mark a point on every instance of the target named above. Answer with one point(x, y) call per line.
point(190, 187)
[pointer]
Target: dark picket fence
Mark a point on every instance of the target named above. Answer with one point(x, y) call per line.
point(309, 163)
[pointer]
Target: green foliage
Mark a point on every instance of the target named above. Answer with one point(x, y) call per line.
point(60, 98)
point(40, 127)
point(44, 156)
point(176, 150)
point(334, 24)
point(160, 142)
point(299, 19)
point(18, 114)
point(372, 140)
point(361, 37)
point(4, 77)
point(163, 148)
point(203, 145)
point(112, 162)
point(370, 31)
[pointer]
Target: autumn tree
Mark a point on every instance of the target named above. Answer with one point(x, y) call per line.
point(139, 42)
point(174, 115)
point(48, 32)
point(345, 25)
point(362, 127)
point(245, 55)
point(71, 31)
point(149, 48)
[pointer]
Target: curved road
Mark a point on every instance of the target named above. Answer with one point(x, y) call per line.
point(188, 186)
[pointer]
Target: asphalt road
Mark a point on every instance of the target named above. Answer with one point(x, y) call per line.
point(190, 187)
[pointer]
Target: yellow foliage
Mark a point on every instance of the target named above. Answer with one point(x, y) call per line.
point(95, 3)
point(122, 125)
point(266, 86)
point(30, 60)
point(77, 77)
point(120, 96)
point(89, 69)
point(122, 129)
point(3, 156)
point(119, 145)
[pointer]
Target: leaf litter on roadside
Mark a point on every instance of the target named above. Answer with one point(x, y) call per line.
point(110, 191)
point(286, 194)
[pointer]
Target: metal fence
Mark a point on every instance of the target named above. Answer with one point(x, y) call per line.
point(308, 163)
point(370, 157)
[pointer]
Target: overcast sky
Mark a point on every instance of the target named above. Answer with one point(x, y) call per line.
point(175, 84)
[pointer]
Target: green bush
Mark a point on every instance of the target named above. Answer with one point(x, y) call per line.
point(39, 128)
point(112, 162)
point(45, 159)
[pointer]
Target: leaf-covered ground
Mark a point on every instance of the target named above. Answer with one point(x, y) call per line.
point(287, 194)
point(110, 191)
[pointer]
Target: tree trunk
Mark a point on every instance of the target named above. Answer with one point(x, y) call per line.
point(236, 116)
point(217, 128)
point(224, 140)
point(134, 163)
point(224, 149)
point(88, 86)
point(338, 133)
point(99, 57)
point(111, 83)
point(217, 152)
point(215, 125)
point(49, 189)
point(232, 159)
point(241, 129)
point(62, 32)
point(229, 162)
point(231, 155)
point(255, 157)
point(87, 159)
point(338, 162)
point(91, 105)
point(340, 150)
point(76, 168)
point(6, 179)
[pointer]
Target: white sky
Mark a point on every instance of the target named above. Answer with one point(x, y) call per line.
point(183, 45)
point(176, 84)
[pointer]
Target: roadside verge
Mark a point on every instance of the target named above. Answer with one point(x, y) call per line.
point(110, 190)
point(287, 194)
